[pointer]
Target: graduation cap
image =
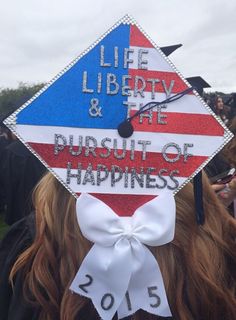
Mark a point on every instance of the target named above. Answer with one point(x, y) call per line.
point(72, 125)
point(198, 83)
point(170, 49)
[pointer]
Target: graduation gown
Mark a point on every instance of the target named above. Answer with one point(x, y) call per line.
point(12, 304)
point(17, 240)
point(3, 144)
point(20, 172)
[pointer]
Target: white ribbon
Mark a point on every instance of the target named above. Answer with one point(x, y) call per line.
point(119, 273)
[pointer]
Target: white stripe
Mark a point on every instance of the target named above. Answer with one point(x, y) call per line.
point(202, 145)
point(187, 104)
point(155, 60)
point(105, 186)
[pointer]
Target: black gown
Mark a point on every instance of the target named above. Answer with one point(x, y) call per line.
point(18, 238)
point(20, 172)
point(3, 144)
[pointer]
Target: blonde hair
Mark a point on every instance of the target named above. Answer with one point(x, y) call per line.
point(198, 266)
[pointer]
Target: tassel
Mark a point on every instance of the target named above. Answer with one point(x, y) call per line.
point(198, 197)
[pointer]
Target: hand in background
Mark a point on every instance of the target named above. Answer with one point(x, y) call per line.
point(226, 192)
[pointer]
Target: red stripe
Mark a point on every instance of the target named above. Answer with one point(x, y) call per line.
point(179, 84)
point(155, 160)
point(184, 123)
point(117, 201)
point(138, 39)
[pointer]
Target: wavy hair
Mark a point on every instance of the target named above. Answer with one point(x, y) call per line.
point(198, 266)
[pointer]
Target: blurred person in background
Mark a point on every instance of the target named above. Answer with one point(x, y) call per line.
point(231, 102)
point(220, 171)
point(5, 139)
point(20, 171)
point(221, 110)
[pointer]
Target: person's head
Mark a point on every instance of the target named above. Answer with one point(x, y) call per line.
point(219, 104)
point(198, 266)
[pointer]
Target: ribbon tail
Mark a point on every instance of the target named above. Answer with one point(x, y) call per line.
point(103, 278)
point(146, 288)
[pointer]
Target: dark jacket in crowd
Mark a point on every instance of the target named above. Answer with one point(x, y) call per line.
point(3, 144)
point(217, 166)
point(20, 171)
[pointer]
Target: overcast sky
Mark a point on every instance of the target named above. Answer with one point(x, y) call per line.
point(39, 38)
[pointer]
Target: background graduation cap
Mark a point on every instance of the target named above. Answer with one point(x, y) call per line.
point(198, 83)
point(170, 49)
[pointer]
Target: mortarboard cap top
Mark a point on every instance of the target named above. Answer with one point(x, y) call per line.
point(199, 83)
point(170, 49)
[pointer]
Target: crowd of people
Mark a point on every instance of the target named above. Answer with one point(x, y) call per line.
point(38, 259)
point(226, 110)
point(220, 170)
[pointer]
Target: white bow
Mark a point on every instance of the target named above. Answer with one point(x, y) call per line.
point(120, 273)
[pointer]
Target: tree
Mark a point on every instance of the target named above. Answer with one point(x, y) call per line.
point(11, 99)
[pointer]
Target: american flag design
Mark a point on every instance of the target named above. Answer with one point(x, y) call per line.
point(119, 74)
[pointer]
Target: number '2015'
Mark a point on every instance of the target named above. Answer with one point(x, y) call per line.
point(108, 300)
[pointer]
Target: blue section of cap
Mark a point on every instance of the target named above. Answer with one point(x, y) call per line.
point(64, 103)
